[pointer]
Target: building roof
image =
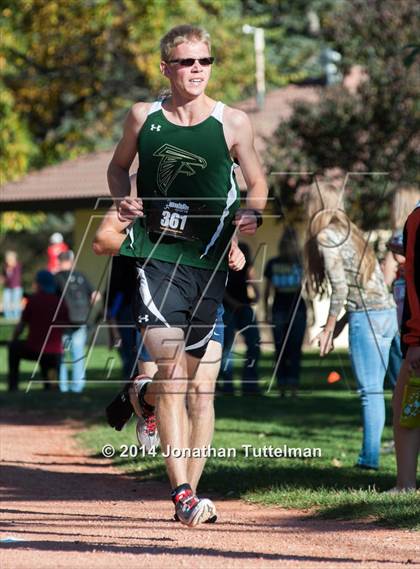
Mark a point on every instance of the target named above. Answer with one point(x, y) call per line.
point(81, 181)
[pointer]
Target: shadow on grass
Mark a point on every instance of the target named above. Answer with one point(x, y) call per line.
point(265, 474)
point(404, 514)
point(237, 477)
point(311, 409)
point(315, 408)
point(52, 407)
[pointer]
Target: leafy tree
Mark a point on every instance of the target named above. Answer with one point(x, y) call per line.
point(16, 146)
point(373, 129)
point(15, 141)
point(295, 32)
point(69, 68)
point(74, 68)
point(14, 221)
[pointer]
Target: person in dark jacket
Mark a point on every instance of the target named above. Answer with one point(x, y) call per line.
point(79, 295)
point(283, 283)
point(123, 332)
point(239, 316)
point(44, 341)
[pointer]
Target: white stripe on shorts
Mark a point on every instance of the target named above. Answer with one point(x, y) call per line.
point(147, 297)
point(202, 342)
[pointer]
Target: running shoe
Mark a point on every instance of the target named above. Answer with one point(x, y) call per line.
point(192, 510)
point(122, 407)
point(146, 429)
point(211, 520)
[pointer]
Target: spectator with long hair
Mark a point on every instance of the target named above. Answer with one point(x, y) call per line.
point(337, 254)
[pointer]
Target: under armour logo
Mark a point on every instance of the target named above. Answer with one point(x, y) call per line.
point(156, 127)
point(144, 318)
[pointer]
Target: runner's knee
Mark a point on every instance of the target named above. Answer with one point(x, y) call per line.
point(171, 381)
point(200, 397)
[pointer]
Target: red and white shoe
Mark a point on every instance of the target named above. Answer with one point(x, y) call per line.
point(191, 510)
point(146, 429)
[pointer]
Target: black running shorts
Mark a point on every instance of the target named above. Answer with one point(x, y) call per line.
point(179, 296)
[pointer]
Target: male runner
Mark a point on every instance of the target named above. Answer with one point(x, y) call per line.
point(187, 146)
point(108, 240)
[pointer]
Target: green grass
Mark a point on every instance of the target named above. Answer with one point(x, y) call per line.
point(323, 416)
point(6, 330)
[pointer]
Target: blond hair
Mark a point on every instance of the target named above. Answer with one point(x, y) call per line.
point(325, 209)
point(182, 34)
point(405, 200)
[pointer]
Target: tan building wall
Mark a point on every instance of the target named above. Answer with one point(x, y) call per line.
point(86, 223)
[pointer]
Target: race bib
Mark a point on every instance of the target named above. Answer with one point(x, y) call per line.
point(170, 218)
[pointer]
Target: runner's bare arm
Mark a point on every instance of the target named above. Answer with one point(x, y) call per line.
point(110, 236)
point(236, 257)
point(111, 233)
point(241, 137)
point(119, 167)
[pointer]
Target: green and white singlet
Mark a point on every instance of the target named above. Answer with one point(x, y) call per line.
point(187, 182)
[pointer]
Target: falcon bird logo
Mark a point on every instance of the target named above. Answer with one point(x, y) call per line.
point(175, 161)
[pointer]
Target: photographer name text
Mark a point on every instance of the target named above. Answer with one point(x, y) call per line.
point(247, 451)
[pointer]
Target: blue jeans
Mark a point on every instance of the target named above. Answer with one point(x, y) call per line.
point(370, 337)
point(242, 320)
point(74, 353)
point(395, 360)
point(11, 303)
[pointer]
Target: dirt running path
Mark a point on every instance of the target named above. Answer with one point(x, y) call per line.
point(69, 510)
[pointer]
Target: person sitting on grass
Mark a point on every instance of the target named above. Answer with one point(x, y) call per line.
point(44, 340)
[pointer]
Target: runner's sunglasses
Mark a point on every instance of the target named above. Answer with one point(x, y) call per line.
point(189, 61)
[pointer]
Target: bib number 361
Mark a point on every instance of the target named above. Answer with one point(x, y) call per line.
point(173, 220)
